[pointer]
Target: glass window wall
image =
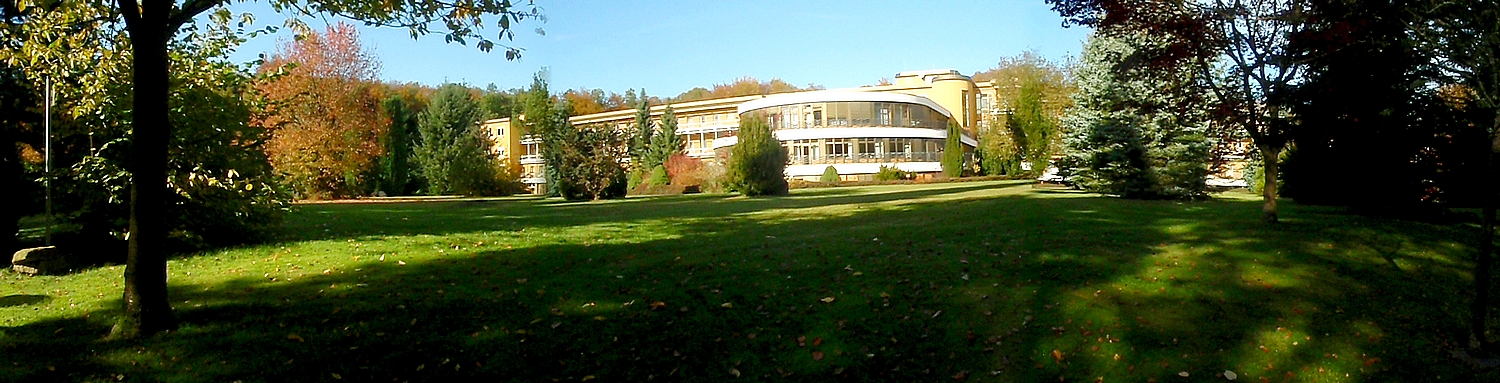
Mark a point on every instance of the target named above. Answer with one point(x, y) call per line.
point(852, 114)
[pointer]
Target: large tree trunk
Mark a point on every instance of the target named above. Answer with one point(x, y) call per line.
point(1271, 155)
point(10, 213)
point(146, 309)
point(1484, 261)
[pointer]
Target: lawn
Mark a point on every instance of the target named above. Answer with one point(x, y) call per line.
point(982, 281)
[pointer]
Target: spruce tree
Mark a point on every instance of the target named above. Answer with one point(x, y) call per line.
point(644, 129)
point(664, 143)
point(1135, 133)
point(453, 152)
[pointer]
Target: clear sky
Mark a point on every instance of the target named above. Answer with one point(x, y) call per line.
point(668, 47)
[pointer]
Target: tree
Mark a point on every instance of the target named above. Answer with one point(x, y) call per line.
point(500, 103)
point(592, 163)
point(394, 165)
point(327, 124)
point(1462, 38)
point(1033, 92)
point(544, 117)
point(757, 164)
point(151, 26)
point(1135, 132)
point(453, 153)
point(1254, 75)
point(664, 143)
point(953, 152)
point(643, 129)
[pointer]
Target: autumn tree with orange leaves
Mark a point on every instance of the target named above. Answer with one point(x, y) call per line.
point(326, 121)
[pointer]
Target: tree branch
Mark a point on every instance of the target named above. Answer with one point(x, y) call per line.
point(189, 10)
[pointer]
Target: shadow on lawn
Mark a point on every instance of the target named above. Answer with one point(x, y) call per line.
point(994, 288)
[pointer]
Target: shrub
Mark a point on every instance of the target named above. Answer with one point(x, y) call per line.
point(888, 173)
point(682, 170)
point(711, 177)
point(635, 179)
point(830, 175)
point(757, 164)
point(659, 176)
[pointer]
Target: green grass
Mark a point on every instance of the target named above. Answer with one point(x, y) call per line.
point(969, 281)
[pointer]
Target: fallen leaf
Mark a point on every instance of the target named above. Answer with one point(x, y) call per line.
point(658, 304)
point(1183, 374)
point(817, 355)
point(402, 263)
point(734, 372)
point(336, 376)
point(827, 300)
point(817, 341)
point(1230, 375)
point(588, 378)
point(1057, 355)
point(858, 273)
point(295, 337)
point(801, 341)
point(961, 374)
point(727, 305)
point(421, 366)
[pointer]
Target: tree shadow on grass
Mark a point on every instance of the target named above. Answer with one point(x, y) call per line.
point(925, 286)
point(335, 221)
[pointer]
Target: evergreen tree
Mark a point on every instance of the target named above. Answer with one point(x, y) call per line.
point(953, 152)
point(643, 128)
point(757, 164)
point(395, 169)
point(1135, 133)
point(664, 143)
point(454, 154)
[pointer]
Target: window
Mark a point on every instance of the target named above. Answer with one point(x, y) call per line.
point(838, 147)
point(869, 148)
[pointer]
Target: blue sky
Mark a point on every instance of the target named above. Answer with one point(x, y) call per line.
point(668, 47)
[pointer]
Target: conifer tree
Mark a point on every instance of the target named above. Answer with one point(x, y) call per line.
point(453, 152)
point(664, 143)
point(643, 128)
point(757, 164)
point(953, 152)
point(1135, 133)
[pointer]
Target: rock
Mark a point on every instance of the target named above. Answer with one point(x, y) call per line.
point(41, 260)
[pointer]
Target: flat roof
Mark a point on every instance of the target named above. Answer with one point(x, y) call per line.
point(839, 96)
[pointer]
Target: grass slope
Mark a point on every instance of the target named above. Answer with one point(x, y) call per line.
point(990, 281)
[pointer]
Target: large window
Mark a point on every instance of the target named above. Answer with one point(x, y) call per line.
point(852, 114)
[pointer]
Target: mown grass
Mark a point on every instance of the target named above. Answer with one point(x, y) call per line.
point(989, 281)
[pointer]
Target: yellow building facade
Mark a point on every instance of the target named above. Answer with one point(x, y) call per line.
point(711, 124)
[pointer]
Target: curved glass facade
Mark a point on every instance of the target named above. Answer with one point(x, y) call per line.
point(851, 114)
point(870, 146)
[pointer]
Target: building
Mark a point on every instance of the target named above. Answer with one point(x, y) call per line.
point(857, 130)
